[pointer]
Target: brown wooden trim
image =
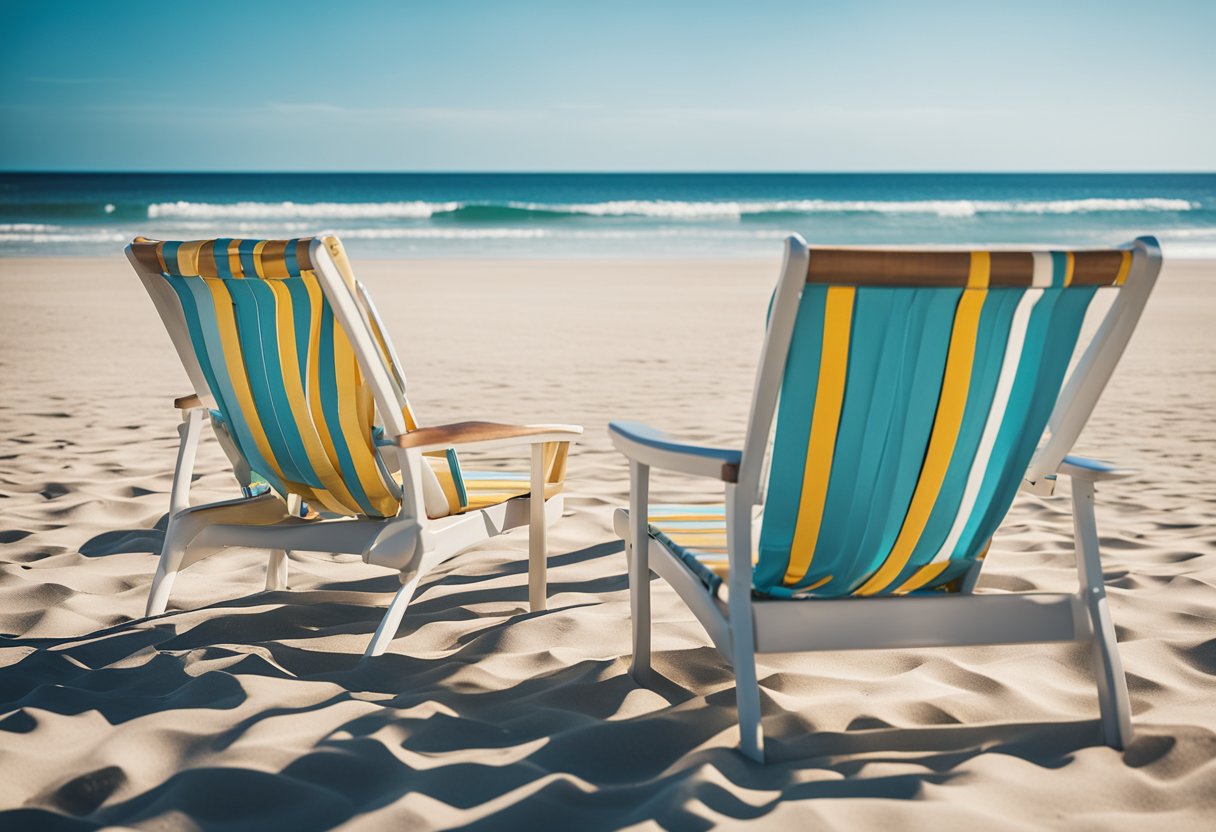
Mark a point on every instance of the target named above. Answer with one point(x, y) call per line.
point(187, 402)
point(145, 253)
point(303, 255)
point(1096, 268)
point(928, 268)
point(461, 432)
point(271, 258)
point(730, 472)
point(1011, 268)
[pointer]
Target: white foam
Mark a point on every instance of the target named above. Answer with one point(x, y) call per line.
point(63, 237)
point(442, 233)
point(665, 209)
point(28, 227)
point(302, 210)
point(937, 207)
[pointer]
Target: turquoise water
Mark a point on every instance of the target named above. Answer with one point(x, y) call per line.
point(559, 215)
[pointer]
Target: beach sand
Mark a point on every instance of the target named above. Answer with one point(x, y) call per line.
point(252, 710)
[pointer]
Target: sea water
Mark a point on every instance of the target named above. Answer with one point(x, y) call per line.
point(605, 215)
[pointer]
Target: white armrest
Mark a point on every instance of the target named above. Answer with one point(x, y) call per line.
point(659, 450)
point(1082, 468)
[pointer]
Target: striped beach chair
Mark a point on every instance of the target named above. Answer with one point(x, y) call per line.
point(913, 394)
point(294, 370)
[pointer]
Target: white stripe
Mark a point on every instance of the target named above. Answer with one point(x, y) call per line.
point(996, 415)
point(1043, 269)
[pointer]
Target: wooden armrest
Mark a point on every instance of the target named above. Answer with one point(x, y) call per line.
point(187, 402)
point(466, 433)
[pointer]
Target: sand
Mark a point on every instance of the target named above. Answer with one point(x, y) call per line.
point(240, 709)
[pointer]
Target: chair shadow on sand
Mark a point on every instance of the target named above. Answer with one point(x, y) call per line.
point(551, 744)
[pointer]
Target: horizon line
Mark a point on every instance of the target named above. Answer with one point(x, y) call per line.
point(893, 172)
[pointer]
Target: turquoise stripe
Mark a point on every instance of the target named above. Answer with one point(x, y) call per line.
point(189, 310)
point(248, 266)
point(877, 315)
point(688, 525)
point(220, 251)
point(168, 253)
point(1059, 268)
point(659, 510)
point(289, 257)
point(1036, 397)
point(251, 334)
point(996, 317)
point(917, 388)
point(301, 315)
point(330, 407)
point(209, 328)
point(293, 443)
point(462, 495)
point(790, 443)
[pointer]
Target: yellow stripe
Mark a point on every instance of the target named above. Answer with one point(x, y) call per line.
point(257, 258)
point(235, 361)
point(187, 257)
point(981, 270)
point(234, 258)
point(439, 464)
point(829, 395)
point(340, 500)
point(314, 373)
point(274, 266)
point(1069, 265)
point(1124, 267)
point(354, 431)
point(411, 423)
point(950, 406)
point(922, 576)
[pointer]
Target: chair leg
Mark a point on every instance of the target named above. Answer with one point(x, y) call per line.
point(537, 554)
point(392, 618)
point(1113, 699)
point(171, 555)
point(747, 701)
point(171, 552)
point(276, 570)
point(637, 553)
point(742, 625)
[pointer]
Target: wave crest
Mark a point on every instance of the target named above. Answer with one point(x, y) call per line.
point(651, 209)
point(301, 210)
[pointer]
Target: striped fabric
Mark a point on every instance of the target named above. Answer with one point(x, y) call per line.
point(486, 488)
point(697, 535)
point(910, 408)
point(288, 388)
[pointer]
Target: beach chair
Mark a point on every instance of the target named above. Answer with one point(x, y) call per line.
point(913, 394)
point(293, 369)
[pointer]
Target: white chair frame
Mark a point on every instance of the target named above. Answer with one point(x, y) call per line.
point(409, 542)
point(741, 626)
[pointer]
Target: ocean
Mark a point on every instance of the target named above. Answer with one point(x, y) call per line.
point(605, 215)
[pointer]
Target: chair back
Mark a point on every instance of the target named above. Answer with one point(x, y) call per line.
point(914, 389)
point(286, 354)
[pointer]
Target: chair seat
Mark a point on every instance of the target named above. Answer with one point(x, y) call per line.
point(697, 535)
point(485, 488)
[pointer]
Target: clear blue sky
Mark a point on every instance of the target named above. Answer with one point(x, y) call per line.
point(617, 85)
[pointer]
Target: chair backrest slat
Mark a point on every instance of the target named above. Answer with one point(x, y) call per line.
point(916, 387)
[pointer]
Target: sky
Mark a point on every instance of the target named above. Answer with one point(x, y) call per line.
point(460, 85)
